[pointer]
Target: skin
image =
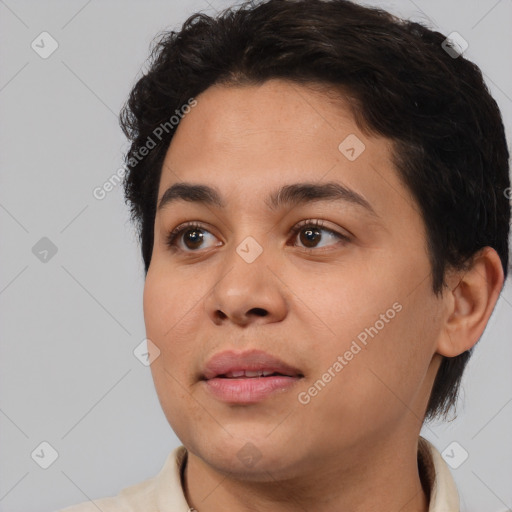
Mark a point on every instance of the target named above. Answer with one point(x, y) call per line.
point(354, 445)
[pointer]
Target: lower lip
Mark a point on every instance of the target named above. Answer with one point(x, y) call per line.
point(248, 390)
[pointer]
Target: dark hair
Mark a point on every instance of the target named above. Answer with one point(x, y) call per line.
point(403, 81)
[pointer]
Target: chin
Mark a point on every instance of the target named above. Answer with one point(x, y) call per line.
point(249, 457)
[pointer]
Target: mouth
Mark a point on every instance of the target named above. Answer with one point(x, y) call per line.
point(248, 377)
point(247, 374)
point(233, 364)
point(245, 390)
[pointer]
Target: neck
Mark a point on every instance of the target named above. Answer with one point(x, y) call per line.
point(379, 477)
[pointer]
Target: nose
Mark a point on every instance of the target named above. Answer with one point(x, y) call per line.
point(247, 291)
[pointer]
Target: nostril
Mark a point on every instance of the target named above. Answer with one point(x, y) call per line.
point(260, 311)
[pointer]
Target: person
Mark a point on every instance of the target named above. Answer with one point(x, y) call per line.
point(320, 194)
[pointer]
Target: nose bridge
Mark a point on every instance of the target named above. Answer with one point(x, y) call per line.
point(250, 236)
point(247, 265)
point(246, 286)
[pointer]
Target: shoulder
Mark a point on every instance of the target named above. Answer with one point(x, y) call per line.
point(137, 497)
point(140, 497)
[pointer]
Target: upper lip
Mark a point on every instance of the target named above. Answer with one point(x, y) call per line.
point(252, 360)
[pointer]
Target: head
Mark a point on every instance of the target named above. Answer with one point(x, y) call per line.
point(316, 93)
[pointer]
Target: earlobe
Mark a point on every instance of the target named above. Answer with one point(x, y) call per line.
point(470, 301)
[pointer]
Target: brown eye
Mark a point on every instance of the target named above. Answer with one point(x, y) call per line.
point(191, 237)
point(310, 233)
point(194, 237)
point(311, 236)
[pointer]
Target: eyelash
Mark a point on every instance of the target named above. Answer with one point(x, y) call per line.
point(191, 226)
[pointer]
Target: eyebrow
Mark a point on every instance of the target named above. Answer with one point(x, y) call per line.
point(288, 195)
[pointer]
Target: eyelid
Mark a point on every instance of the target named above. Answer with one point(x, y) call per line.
point(321, 224)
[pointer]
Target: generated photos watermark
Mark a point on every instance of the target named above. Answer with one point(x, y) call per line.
point(304, 397)
point(100, 192)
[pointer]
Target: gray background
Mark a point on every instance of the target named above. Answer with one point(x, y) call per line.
point(69, 325)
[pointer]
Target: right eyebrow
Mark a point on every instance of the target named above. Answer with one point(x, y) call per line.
point(288, 195)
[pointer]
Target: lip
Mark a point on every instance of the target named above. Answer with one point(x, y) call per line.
point(248, 389)
point(251, 360)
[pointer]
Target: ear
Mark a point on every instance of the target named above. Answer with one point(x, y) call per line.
point(470, 300)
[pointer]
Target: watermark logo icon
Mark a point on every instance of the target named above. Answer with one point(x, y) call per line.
point(352, 147)
point(454, 45)
point(249, 249)
point(146, 352)
point(44, 250)
point(44, 455)
point(455, 455)
point(44, 45)
point(249, 455)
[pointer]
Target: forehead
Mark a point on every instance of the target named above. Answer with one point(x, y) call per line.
point(276, 115)
point(248, 140)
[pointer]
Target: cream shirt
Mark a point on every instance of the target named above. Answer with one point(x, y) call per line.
point(164, 493)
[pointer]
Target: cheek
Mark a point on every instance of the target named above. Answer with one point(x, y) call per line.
point(155, 306)
point(167, 304)
point(170, 318)
point(174, 317)
point(384, 333)
point(164, 318)
point(339, 305)
point(389, 377)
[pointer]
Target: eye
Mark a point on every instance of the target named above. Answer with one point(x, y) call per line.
point(312, 229)
point(192, 235)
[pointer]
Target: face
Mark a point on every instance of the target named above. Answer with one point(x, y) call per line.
point(336, 286)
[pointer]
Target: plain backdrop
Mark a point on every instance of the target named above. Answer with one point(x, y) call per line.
point(71, 275)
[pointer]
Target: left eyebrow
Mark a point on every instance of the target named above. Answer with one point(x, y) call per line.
point(288, 195)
